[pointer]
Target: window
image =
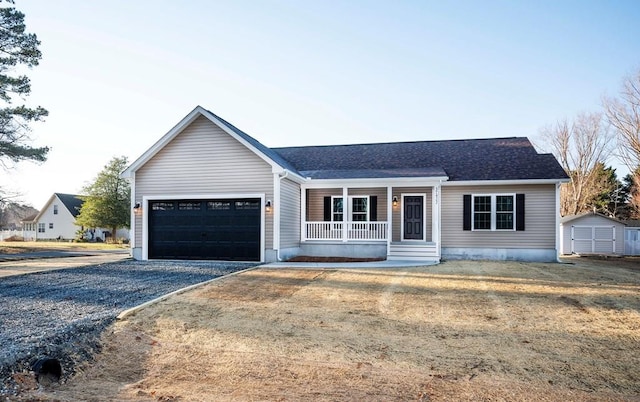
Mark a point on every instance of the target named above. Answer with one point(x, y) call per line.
point(55, 209)
point(161, 206)
point(51, 226)
point(189, 205)
point(494, 212)
point(504, 212)
point(247, 204)
point(40, 227)
point(337, 211)
point(218, 205)
point(482, 212)
point(358, 208)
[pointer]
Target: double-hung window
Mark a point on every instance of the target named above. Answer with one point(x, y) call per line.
point(41, 227)
point(494, 211)
point(358, 208)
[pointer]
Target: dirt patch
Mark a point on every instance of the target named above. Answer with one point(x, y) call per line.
point(484, 331)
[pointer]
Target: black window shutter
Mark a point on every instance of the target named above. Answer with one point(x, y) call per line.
point(466, 212)
point(373, 208)
point(519, 211)
point(327, 209)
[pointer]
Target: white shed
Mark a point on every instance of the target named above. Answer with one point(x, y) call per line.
point(591, 233)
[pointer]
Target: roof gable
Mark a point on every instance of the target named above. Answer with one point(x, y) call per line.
point(71, 202)
point(268, 155)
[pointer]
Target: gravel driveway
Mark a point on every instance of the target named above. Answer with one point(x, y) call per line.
point(62, 313)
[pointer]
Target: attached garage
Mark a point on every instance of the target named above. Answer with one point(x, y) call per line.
point(592, 233)
point(205, 229)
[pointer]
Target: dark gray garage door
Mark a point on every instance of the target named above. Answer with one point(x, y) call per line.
point(224, 229)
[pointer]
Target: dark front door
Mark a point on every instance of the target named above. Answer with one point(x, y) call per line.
point(224, 229)
point(413, 218)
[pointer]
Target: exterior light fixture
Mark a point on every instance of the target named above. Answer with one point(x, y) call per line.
point(268, 205)
point(137, 209)
point(395, 200)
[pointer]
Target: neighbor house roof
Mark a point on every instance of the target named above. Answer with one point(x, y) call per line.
point(72, 202)
point(480, 159)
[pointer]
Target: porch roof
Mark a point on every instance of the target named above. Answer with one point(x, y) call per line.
point(374, 173)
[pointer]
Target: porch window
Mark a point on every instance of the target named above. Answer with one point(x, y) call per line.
point(358, 208)
point(337, 211)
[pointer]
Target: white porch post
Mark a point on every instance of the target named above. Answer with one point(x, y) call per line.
point(435, 216)
point(303, 214)
point(345, 212)
point(389, 217)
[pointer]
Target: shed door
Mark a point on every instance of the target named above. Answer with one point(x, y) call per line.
point(593, 239)
point(221, 229)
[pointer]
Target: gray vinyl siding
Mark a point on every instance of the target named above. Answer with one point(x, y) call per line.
point(592, 220)
point(540, 219)
point(203, 160)
point(289, 214)
point(315, 201)
point(397, 211)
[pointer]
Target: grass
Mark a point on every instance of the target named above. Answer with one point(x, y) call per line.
point(30, 246)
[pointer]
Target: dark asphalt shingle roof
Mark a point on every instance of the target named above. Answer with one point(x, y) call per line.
point(257, 144)
point(511, 158)
point(72, 202)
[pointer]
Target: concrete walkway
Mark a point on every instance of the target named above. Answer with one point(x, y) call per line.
point(369, 264)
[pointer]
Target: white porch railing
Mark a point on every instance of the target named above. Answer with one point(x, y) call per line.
point(355, 231)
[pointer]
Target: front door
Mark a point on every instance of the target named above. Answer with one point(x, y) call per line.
point(413, 217)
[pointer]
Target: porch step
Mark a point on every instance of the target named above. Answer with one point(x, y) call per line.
point(413, 252)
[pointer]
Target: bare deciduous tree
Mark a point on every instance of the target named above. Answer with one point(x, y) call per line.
point(623, 113)
point(579, 146)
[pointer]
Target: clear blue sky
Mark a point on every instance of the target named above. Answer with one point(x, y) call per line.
point(117, 75)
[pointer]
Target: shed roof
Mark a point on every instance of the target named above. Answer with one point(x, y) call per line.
point(570, 218)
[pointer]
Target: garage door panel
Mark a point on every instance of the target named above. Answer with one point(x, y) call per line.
point(205, 229)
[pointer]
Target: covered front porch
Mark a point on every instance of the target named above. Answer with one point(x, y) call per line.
point(393, 221)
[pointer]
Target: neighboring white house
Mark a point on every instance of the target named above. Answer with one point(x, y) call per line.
point(207, 190)
point(592, 233)
point(57, 221)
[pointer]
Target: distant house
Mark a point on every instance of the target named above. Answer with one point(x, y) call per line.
point(207, 190)
point(57, 221)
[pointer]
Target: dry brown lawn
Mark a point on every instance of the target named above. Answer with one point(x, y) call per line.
point(15, 247)
point(461, 330)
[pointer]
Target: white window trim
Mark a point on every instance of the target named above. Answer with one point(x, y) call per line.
point(347, 213)
point(493, 212)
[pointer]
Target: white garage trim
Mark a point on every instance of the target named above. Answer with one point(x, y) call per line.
point(145, 214)
point(593, 239)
